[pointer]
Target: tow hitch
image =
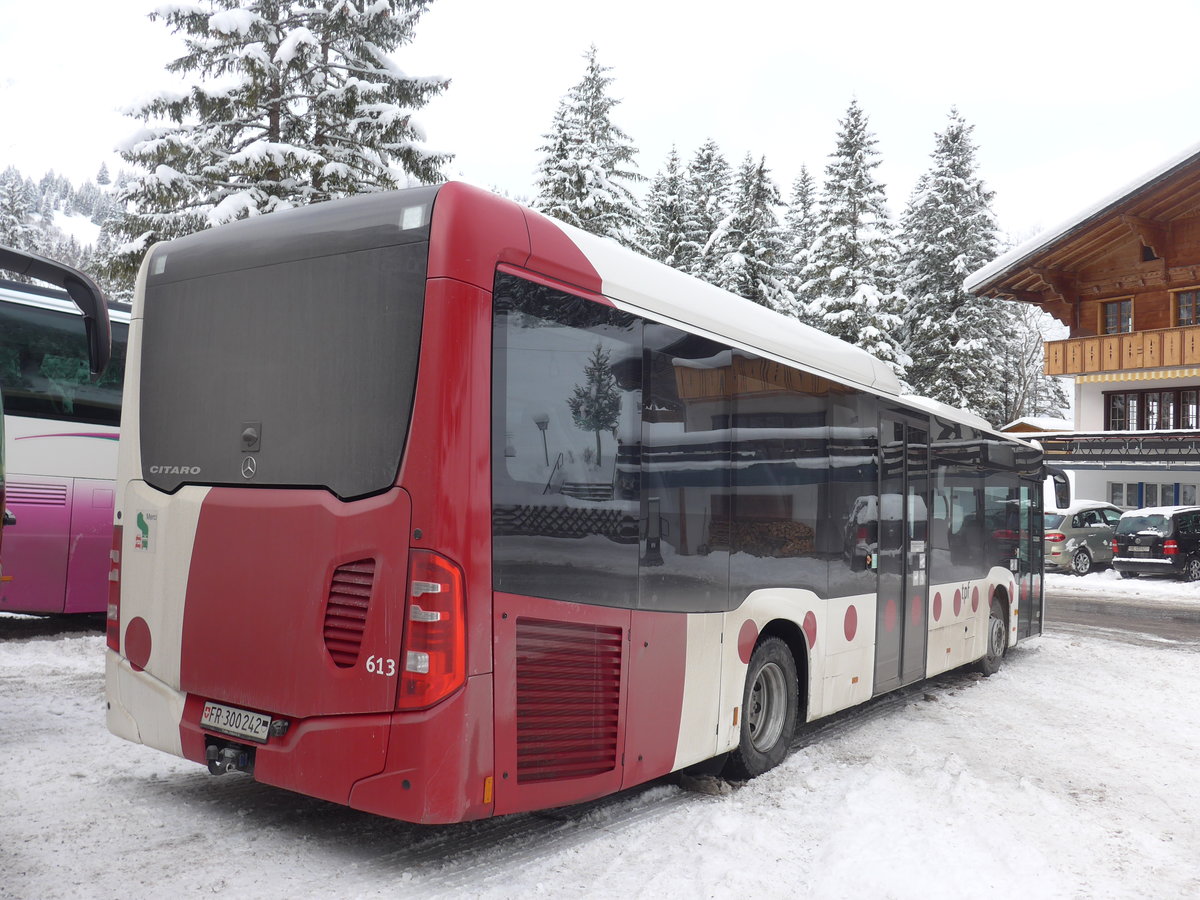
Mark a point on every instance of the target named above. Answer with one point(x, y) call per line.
point(227, 756)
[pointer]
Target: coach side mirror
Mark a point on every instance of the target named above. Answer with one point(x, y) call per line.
point(9, 519)
point(1062, 487)
point(83, 291)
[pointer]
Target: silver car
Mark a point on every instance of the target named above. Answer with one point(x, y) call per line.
point(1079, 538)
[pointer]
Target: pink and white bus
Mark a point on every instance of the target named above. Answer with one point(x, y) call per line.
point(60, 444)
point(437, 508)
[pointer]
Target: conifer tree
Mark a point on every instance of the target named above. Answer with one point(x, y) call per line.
point(292, 104)
point(670, 217)
point(1021, 386)
point(753, 267)
point(14, 210)
point(709, 186)
point(949, 231)
point(800, 222)
point(596, 404)
point(851, 265)
point(587, 167)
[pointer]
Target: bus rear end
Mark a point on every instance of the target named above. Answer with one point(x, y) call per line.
point(300, 585)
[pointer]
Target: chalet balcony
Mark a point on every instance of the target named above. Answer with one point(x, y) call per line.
point(1124, 352)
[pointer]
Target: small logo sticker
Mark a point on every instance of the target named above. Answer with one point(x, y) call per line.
point(249, 467)
point(147, 524)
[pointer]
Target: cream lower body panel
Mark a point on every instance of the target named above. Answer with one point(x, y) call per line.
point(141, 708)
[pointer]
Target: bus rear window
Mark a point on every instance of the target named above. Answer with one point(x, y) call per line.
point(299, 373)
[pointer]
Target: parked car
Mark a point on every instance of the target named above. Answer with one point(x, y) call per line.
point(1162, 540)
point(1080, 537)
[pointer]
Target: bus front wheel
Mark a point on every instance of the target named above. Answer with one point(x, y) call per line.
point(997, 640)
point(770, 705)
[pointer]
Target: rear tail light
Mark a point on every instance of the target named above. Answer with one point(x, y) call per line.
point(434, 658)
point(1116, 548)
point(1170, 548)
point(1055, 537)
point(112, 625)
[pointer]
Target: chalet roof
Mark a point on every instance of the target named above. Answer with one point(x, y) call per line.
point(1143, 209)
point(1037, 423)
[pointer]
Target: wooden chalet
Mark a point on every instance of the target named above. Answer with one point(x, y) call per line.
point(1124, 276)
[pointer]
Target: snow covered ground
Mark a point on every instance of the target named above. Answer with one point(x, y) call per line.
point(1071, 773)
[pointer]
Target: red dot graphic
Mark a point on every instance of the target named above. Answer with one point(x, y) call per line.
point(974, 599)
point(746, 640)
point(137, 643)
point(850, 626)
point(810, 629)
point(957, 602)
point(937, 607)
point(889, 615)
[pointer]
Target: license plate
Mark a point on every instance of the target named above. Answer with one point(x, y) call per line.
point(238, 722)
point(1139, 549)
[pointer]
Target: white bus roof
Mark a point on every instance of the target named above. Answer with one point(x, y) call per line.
point(671, 296)
point(51, 299)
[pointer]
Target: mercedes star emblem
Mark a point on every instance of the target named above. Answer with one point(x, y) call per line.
point(249, 467)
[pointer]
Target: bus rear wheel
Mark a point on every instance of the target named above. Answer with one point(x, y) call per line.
point(770, 704)
point(997, 640)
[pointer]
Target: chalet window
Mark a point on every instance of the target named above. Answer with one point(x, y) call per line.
point(1152, 410)
point(1122, 494)
point(1189, 409)
point(1187, 310)
point(1121, 412)
point(1118, 317)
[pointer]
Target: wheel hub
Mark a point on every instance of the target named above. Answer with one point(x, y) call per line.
point(767, 709)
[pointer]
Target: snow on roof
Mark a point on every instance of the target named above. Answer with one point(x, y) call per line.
point(1014, 258)
point(1041, 423)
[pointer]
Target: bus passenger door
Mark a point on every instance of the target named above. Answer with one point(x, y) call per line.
point(1029, 560)
point(901, 630)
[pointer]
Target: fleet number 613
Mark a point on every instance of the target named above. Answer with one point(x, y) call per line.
point(378, 665)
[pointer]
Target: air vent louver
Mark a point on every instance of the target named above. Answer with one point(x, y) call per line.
point(21, 494)
point(346, 610)
point(568, 699)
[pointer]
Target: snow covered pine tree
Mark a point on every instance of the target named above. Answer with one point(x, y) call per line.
point(852, 261)
point(947, 232)
point(587, 167)
point(294, 103)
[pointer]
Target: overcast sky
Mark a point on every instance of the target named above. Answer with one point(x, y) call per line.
point(1070, 101)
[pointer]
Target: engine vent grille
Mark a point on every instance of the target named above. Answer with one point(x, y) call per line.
point(568, 699)
point(22, 494)
point(346, 610)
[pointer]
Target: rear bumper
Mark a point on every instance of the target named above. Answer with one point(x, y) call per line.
point(1172, 566)
point(430, 766)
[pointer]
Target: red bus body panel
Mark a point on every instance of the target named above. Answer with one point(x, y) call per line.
point(258, 588)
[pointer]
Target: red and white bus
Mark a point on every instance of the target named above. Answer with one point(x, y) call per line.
point(62, 405)
point(437, 508)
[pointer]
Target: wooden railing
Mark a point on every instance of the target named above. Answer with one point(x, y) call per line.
point(1123, 352)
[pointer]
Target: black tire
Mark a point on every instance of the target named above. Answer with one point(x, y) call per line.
point(1125, 574)
point(1191, 569)
point(770, 704)
point(1081, 562)
point(997, 641)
